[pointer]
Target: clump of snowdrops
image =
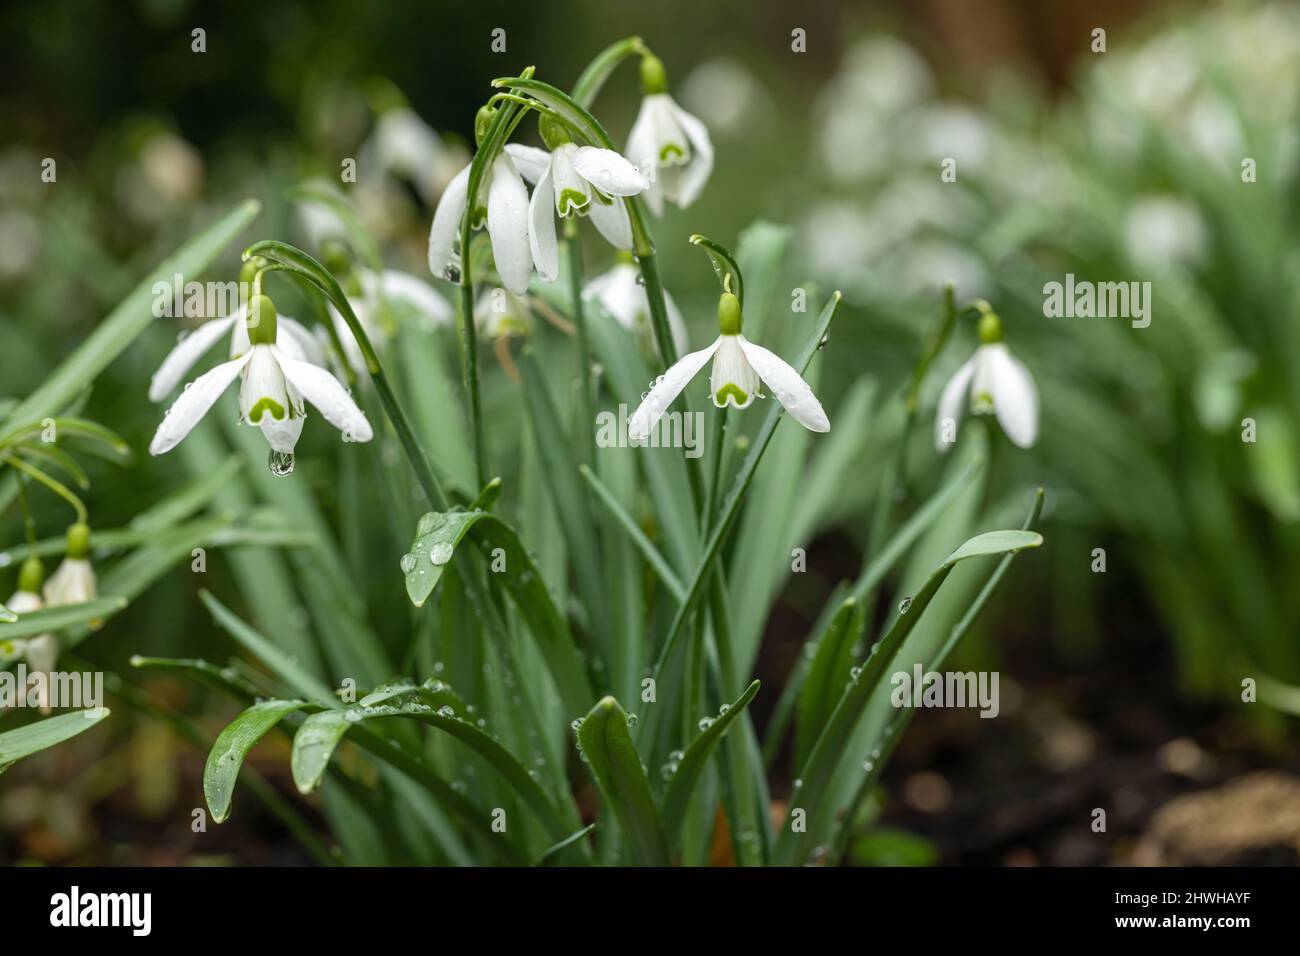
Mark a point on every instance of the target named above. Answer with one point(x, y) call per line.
point(584, 612)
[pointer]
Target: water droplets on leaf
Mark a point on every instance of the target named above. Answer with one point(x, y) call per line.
point(440, 552)
point(904, 604)
point(408, 563)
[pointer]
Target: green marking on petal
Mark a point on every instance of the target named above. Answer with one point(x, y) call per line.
point(570, 200)
point(480, 217)
point(981, 403)
point(671, 151)
point(735, 391)
point(266, 405)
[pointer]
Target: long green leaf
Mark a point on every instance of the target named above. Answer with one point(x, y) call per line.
point(809, 792)
point(606, 743)
point(687, 769)
point(49, 619)
point(112, 336)
point(232, 746)
point(821, 688)
point(43, 734)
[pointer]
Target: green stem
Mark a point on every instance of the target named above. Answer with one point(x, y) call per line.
point(56, 486)
point(574, 246)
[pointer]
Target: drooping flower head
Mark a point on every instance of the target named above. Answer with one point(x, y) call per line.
point(41, 652)
point(272, 391)
point(621, 293)
point(572, 180)
point(992, 381)
point(291, 337)
point(740, 368)
point(501, 205)
point(668, 144)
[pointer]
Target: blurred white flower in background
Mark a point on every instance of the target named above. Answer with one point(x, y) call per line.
point(621, 293)
point(727, 96)
point(1165, 231)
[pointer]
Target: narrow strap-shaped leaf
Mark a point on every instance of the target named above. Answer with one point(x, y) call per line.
point(731, 505)
point(571, 505)
point(43, 734)
point(189, 498)
point(809, 793)
point(292, 673)
point(224, 679)
point(606, 743)
point(637, 536)
point(112, 336)
point(691, 764)
point(436, 539)
point(7, 616)
point(49, 619)
point(232, 746)
point(313, 746)
point(551, 852)
point(438, 536)
point(893, 730)
point(821, 689)
point(106, 440)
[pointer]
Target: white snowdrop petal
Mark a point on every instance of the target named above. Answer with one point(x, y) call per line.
point(952, 402)
point(292, 334)
point(666, 388)
point(787, 385)
point(698, 170)
point(508, 226)
point(676, 324)
point(188, 350)
point(611, 221)
point(1015, 399)
point(541, 231)
point(529, 160)
point(642, 150)
point(328, 396)
point(194, 403)
point(609, 171)
point(444, 234)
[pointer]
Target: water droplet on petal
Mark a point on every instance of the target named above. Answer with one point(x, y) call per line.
point(280, 463)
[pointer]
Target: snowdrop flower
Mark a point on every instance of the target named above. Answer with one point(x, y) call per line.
point(73, 581)
point(574, 180)
point(499, 313)
point(620, 293)
point(293, 339)
point(404, 144)
point(396, 290)
point(739, 366)
point(41, 652)
point(502, 206)
point(991, 382)
point(669, 140)
point(273, 386)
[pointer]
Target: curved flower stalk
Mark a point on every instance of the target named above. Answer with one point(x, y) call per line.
point(621, 293)
point(739, 369)
point(670, 145)
point(992, 381)
point(273, 387)
point(390, 289)
point(574, 180)
point(502, 207)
